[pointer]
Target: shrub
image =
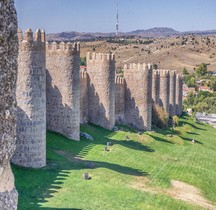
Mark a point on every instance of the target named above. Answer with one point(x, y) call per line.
point(159, 116)
point(175, 119)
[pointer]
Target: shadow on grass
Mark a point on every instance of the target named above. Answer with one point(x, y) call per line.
point(190, 140)
point(37, 186)
point(160, 139)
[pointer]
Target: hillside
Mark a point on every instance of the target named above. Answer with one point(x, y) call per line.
point(161, 171)
point(170, 53)
point(156, 32)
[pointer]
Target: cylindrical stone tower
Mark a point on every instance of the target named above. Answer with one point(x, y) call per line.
point(31, 101)
point(138, 95)
point(63, 88)
point(164, 90)
point(155, 86)
point(8, 76)
point(101, 94)
point(179, 94)
point(172, 103)
point(119, 100)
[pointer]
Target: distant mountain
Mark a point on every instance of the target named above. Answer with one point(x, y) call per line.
point(157, 32)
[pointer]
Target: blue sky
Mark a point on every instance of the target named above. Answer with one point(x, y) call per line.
point(100, 15)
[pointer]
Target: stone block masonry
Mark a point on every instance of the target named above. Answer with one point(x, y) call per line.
point(8, 76)
point(155, 86)
point(172, 101)
point(63, 88)
point(31, 101)
point(138, 95)
point(164, 90)
point(179, 94)
point(119, 100)
point(83, 96)
point(101, 89)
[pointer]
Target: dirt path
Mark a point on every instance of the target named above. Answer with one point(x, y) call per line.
point(189, 193)
point(179, 190)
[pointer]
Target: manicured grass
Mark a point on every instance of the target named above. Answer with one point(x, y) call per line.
point(151, 160)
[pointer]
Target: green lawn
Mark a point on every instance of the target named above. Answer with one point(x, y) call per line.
point(119, 177)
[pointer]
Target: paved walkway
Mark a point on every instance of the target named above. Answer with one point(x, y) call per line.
point(207, 118)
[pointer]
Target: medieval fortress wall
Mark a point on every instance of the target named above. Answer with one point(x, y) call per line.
point(101, 89)
point(63, 88)
point(31, 101)
point(53, 93)
point(138, 95)
point(8, 76)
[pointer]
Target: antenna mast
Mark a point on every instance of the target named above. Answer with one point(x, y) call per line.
point(117, 21)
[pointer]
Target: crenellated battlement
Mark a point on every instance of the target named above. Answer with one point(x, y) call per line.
point(30, 42)
point(119, 80)
point(164, 73)
point(138, 66)
point(63, 47)
point(29, 37)
point(100, 57)
point(179, 76)
point(83, 74)
point(155, 72)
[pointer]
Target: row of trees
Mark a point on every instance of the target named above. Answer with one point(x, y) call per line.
point(201, 72)
point(203, 101)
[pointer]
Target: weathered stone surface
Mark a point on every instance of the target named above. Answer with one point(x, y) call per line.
point(138, 101)
point(179, 94)
point(8, 76)
point(172, 101)
point(156, 86)
point(63, 89)
point(119, 100)
point(83, 96)
point(86, 135)
point(101, 89)
point(164, 89)
point(31, 101)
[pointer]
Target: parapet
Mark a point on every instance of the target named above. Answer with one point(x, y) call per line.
point(100, 57)
point(28, 35)
point(119, 80)
point(164, 73)
point(156, 72)
point(63, 47)
point(138, 66)
point(172, 72)
point(83, 74)
point(28, 42)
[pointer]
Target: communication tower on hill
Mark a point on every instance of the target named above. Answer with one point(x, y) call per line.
point(117, 21)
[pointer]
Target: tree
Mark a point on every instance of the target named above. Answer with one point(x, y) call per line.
point(159, 116)
point(83, 61)
point(185, 71)
point(155, 66)
point(202, 69)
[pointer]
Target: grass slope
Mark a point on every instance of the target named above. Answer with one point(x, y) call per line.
point(151, 160)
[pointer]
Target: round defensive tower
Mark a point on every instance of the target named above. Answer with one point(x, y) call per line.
point(164, 89)
point(155, 86)
point(172, 103)
point(31, 101)
point(179, 94)
point(138, 95)
point(8, 76)
point(101, 94)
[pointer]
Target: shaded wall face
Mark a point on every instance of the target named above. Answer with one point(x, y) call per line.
point(172, 102)
point(31, 101)
point(63, 92)
point(155, 87)
point(138, 98)
point(83, 99)
point(164, 91)
point(120, 102)
point(8, 74)
point(101, 92)
point(179, 95)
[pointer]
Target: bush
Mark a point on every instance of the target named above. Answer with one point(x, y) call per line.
point(175, 119)
point(159, 116)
